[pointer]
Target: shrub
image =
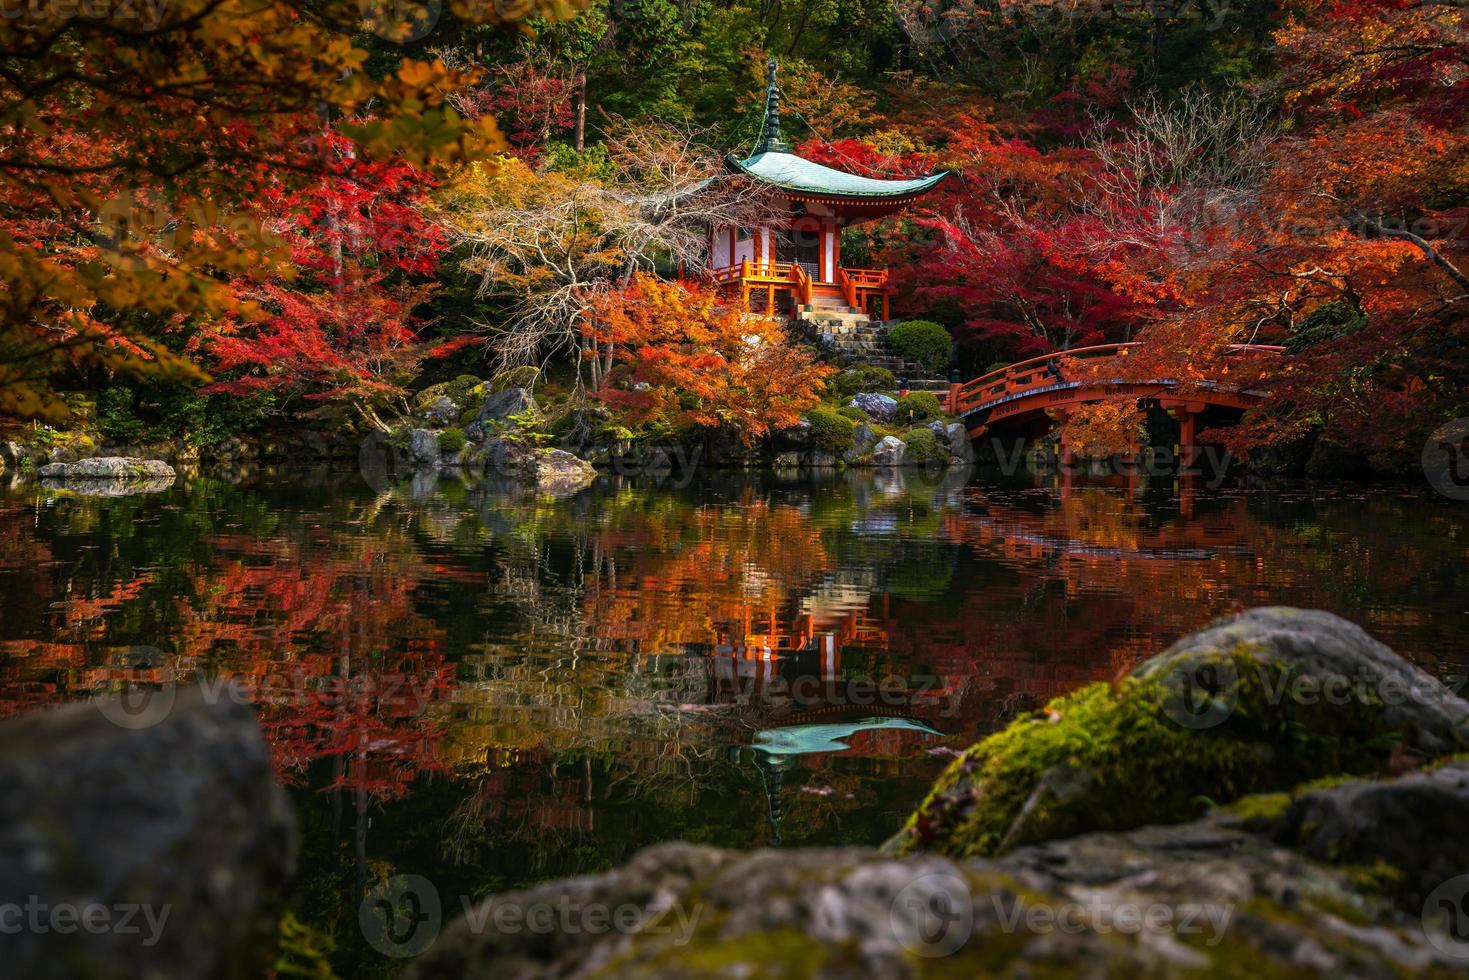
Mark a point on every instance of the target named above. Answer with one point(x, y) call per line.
point(863, 377)
point(854, 413)
point(452, 440)
point(917, 406)
point(923, 342)
point(831, 431)
point(923, 447)
point(115, 416)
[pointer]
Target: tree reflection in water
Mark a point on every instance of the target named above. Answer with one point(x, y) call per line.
point(490, 689)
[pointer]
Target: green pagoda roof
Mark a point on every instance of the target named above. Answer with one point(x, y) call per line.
point(799, 175)
point(773, 163)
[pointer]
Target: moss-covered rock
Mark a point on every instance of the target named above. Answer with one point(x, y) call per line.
point(1203, 899)
point(1255, 703)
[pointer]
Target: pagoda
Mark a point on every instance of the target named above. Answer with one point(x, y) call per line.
point(793, 264)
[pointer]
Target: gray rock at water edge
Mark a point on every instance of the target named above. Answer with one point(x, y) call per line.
point(787, 461)
point(957, 438)
point(423, 446)
point(176, 826)
point(557, 473)
point(863, 441)
point(11, 454)
point(1196, 899)
point(819, 459)
point(879, 407)
point(500, 405)
point(108, 468)
point(888, 452)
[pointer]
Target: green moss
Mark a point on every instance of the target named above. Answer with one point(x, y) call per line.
point(852, 412)
point(520, 377)
point(1112, 758)
point(1259, 808)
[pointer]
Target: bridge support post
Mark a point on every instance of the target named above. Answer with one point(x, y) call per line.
point(1188, 432)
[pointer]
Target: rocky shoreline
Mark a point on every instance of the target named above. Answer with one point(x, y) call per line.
point(1276, 795)
point(497, 431)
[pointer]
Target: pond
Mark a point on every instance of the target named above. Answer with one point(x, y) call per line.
point(489, 690)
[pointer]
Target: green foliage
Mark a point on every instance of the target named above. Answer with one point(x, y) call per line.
point(1329, 321)
point(593, 163)
point(527, 430)
point(156, 412)
point(917, 406)
point(923, 447)
point(452, 440)
point(923, 342)
point(115, 418)
point(831, 431)
point(854, 413)
point(303, 950)
point(860, 379)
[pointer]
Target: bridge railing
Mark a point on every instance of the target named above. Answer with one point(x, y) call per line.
point(1045, 371)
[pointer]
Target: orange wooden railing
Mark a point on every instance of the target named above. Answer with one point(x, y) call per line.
point(1046, 371)
point(800, 284)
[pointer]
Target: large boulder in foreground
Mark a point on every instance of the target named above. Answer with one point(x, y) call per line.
point(147, 841)
point(1257, 702)
point(1208, 898)
point(107, 468)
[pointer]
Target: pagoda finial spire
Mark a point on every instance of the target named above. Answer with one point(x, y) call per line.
point(770, 141)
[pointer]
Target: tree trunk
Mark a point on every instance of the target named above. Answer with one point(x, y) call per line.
point(579, 135)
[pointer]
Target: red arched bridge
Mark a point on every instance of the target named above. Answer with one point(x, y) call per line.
point(1027, 396)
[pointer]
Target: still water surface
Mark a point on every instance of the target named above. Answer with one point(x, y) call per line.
point(489, 690)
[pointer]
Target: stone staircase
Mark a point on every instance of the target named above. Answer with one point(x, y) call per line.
point(852, 337)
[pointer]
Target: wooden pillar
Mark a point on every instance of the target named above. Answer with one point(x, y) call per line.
point(1187, 434)
point(886, 310)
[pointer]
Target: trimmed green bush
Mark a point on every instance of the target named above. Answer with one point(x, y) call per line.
point(862, 378)
point(452, 440)
point(831, 431)
point(854, 413)
point(923, 342)
point(917, 406)
point(923, 447)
